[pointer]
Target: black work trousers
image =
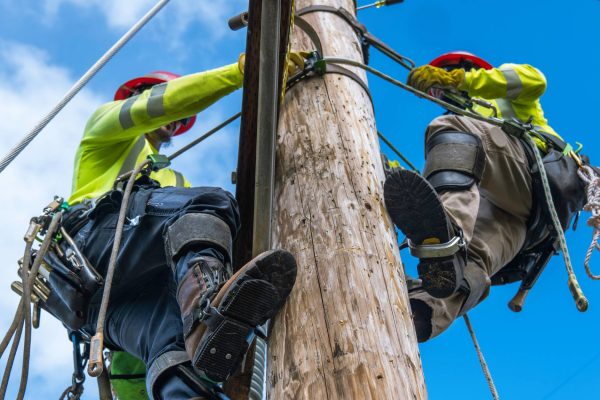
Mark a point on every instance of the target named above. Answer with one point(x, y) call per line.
point(143, 316)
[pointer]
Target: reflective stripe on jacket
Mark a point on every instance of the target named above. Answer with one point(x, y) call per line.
point(514, 89)
point(114, 142)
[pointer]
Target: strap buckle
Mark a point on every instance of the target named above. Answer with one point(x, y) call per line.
point(312, 65)
point(453, 246)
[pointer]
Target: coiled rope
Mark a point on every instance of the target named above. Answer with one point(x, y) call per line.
point(589, 176)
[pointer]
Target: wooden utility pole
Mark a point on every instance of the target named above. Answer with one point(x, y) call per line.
point(346, 331)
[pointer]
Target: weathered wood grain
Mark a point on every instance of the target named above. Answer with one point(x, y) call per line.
point(346, 331)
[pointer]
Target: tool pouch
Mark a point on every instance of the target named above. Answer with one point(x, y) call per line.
point(67, 301)
point(59, 309)
point(568, 190)
point(68, 275)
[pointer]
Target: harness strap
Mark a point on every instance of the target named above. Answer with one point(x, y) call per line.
point(359, 28)
point(336, 69)
point(365, 37)
point(552, 140)
point(312, 34)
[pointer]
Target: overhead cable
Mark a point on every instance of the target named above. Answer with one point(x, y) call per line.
point(12, 154)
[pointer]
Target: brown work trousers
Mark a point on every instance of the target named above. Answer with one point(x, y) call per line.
point(492, 215)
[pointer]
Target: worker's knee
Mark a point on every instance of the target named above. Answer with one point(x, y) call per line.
point(197, 230)
point(454, 160)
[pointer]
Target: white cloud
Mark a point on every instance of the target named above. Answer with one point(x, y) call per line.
point(29, 88)
point(175, 18)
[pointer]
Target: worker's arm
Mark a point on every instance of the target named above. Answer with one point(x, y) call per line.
point(180, 98)
point(520, 83)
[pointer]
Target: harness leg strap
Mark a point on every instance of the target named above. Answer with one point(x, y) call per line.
point(177, 363)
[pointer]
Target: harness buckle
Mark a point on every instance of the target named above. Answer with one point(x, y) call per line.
point(158, 161)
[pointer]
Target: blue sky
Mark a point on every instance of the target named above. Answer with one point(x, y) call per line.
point(546, 352)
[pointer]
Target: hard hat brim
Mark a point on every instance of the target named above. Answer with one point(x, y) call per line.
point(456, 57)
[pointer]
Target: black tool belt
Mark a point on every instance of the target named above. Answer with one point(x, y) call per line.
point(66, 280)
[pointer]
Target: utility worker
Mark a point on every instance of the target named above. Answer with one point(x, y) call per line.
point(174, 304)
point(471, 212)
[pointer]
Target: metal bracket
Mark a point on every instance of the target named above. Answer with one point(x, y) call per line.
point(158, 161)
point(441, 250)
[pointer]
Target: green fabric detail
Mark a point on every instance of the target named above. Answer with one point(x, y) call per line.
point(128, 389)
point(568, 149)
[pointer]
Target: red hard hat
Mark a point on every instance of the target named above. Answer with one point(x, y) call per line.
point(457, 57)
point(127, 89)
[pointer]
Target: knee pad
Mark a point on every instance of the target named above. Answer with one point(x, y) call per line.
point(197, 229)
point(454, 160)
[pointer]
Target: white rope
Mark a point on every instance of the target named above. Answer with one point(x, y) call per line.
point(12, 154)
point(589, 176)
point(484, 366)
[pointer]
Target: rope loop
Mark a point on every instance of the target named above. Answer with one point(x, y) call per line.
point(592, 180)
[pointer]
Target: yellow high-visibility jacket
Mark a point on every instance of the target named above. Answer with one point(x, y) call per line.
point(515, 91)
point(114, 142)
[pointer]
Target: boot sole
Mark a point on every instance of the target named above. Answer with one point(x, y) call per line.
point(251, 297)
point(416, 209)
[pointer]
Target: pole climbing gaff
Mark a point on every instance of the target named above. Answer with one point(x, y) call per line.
point(15, 151)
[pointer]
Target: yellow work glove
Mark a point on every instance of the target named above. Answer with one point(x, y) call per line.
point(242, 62)
point(295, 62)
point(426, 76)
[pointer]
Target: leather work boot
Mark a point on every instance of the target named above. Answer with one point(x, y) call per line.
point(418, 212)
point(220, 317)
